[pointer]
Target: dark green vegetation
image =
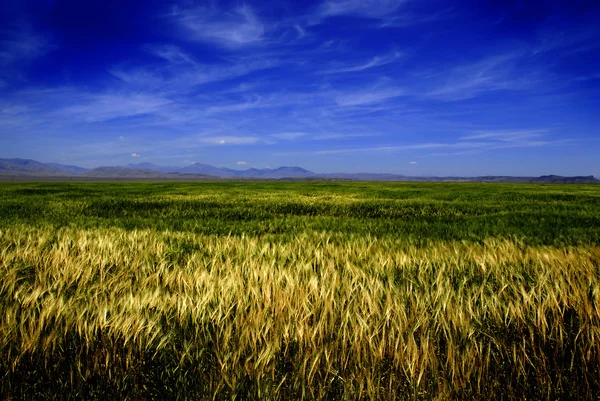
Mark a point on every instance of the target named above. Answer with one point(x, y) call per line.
point(416, 213)
point(288, 291)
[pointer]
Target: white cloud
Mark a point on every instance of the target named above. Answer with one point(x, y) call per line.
point(505, 135)
point(376, 61)
point(135, 155)
point(330, 136)
point(463, 144)
point(234, 107)
point(138, 77)
point(412, 162)
point(14, 110)
point(490, 74)
point(121, 138)
point(360, 8)
point(404, 19)
point(172, 54)
point(23, 44)
point(465, 88)
point(176, 77)
point(230, 140)
point(241, 163)
point(300, 30)
point(106, 107)
point(574, 39)
point(358, 98)
point(387, 148)
point(234, 28)
point(290, 136)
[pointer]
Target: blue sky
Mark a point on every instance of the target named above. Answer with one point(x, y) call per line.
point(418, 87)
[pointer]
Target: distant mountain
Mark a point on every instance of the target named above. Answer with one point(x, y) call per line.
point(26, 167)
point(74, 170)
point(544, 179)
point(123, 172)
point(557, 179)
point(153, 167)
point(207, 169)
point(267, 173)
point(281, 172)
point(371, 177)
point(110, 171)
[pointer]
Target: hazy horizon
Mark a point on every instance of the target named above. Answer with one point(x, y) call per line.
point(209, 169)
point(431, 88)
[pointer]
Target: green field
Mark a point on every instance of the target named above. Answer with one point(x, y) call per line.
point(288, 291)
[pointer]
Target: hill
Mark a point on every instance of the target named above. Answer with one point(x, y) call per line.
point(32, 168)
point(27, 167)
point(109, 171)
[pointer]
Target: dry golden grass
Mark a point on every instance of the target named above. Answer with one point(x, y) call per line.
point(147, 314)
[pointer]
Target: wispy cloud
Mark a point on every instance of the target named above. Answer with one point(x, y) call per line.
point(490, 74)
point(576, 39)
point(71, 108)
point(180, 72)
point(301, 31)
point(368, 96)
point(105, 107)
point(230, 140)
point(470, 143)
point(405, 19)
point(464, 88)
point(232, 28)
point(376, 61)
point(235, 107)
point(135, 155)
point(289, 136)
point(395, 148)
point(360, 8)
point(171, 53)
point(241, 163)
point(506, 135)
point(341, 136)
point(23, 44)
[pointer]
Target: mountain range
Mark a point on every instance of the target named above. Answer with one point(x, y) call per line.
point(32, 168)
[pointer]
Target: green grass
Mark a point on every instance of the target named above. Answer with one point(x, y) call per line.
point(416, 213)
point(299, 291)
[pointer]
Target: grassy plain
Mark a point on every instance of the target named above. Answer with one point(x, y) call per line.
point(299, 291)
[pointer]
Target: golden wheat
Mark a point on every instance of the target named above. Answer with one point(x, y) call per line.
point(311, 317)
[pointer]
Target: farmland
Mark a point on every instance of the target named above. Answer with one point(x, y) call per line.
point(296, 290)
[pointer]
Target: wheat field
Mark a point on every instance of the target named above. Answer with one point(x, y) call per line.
point(289, 291)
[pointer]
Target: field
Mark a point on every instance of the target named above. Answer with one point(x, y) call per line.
point(289, 291)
